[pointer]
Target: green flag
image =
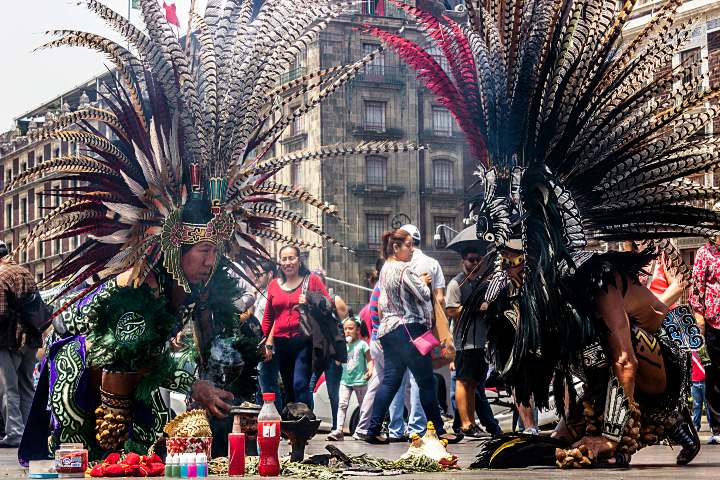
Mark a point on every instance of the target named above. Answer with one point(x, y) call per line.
point(135, 4)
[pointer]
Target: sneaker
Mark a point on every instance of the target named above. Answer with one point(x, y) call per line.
point(377, 439)
point(531, 431)
point(452, 439)
point(9, 443)
point(473, 432)
point(402, 439)
point(335, 437)
point(714, 439)
point(359, 436)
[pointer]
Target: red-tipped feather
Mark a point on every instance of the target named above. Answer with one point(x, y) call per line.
point(437, 81)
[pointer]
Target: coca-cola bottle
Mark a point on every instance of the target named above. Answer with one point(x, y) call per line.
point(268, 437)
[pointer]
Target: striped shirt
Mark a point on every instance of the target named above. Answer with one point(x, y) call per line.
point(404, 298)
point(374, 312)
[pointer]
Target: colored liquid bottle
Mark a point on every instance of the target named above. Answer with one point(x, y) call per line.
point(183, 465)
point(236, 450)
point(192, 466)
point(269, 437)
point(202, 466)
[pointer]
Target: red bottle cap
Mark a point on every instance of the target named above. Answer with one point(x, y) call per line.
point(269, 397)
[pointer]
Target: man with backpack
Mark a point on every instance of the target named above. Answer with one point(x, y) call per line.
point(23, 318)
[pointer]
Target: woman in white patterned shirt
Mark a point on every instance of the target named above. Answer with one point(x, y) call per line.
point(403, 304)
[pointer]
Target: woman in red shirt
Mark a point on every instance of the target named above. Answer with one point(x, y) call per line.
point(281, 324)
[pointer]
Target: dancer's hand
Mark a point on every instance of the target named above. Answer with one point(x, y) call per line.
point(598, 446)
point(212, 398)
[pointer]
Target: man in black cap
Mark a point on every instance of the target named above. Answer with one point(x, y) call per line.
point(18, 348)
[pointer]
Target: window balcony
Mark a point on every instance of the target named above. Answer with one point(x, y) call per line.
point(370, 131)
point(391, 75)
point(381, 191)
point(291, 75)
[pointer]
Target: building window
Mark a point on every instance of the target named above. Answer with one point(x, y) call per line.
point(295, 175)
point(56, 152)
point(8, 215)
point(376, 225)
point(297, 126)
point(377, 66)
point(58, 246)
point(40, 249)
point(23, 211)
point(23, 256)
point(39, 278)
point(441, 122)
point(294, 146)
point(375, 170)
point(443, 176)
point(374, 116)
point(376, 8)
point(40, 204)
point(448, 222)
point(694, 75)
point(8, 177)
point(438, 56)
point(23, 167)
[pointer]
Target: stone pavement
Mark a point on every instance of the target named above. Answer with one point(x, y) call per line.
point(651, 463)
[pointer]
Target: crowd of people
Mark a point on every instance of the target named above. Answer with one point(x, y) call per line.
point(380, 364)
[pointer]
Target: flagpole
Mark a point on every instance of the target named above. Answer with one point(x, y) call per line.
point(187, 35)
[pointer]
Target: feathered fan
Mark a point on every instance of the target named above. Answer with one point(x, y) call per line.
point(217, 108)
point(576, 136)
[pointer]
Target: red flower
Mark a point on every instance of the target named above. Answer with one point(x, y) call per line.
point(98, 470)
point(156, 470)
point(112, 459)
point(148, 459)
point(135, 471)
point(132, 459)
point(114, 470)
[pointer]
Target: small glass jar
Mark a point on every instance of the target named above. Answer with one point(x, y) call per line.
point(71, 460)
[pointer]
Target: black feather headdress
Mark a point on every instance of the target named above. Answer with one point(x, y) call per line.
point(577, 136)
point(188, 125)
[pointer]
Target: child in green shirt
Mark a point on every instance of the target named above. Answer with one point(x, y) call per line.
point(355, 375)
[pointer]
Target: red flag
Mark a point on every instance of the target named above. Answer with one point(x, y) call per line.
point(171, 14)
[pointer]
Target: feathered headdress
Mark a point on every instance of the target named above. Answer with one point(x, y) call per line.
point(191, 132)
point(576, 135)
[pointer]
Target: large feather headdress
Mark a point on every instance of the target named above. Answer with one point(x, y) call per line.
point(190, 126)
point(577, 136)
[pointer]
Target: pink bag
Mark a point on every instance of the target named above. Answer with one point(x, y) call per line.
point(426, 342)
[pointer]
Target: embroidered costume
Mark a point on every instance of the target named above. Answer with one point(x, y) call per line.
point(187, 161)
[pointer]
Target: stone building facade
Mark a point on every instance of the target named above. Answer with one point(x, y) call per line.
point(22, 207)
point(703, 44)
point(375, 193)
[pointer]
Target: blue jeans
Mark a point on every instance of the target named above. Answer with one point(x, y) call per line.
point(417, 422)
point(333, 374)
point(401, 355)
point(698, 396)
point(294, 359)
point(268, 382)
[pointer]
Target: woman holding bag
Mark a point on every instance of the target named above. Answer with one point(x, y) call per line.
point(404, 333)
point(281, 324)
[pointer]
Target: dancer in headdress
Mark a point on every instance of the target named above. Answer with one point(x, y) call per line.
point(576, 141)
point(182, 184)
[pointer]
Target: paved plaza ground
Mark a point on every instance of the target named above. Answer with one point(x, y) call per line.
point(651, 463)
